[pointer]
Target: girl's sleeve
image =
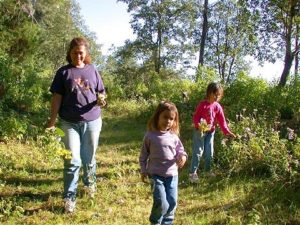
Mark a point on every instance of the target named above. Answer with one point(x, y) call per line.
point(144, 154)
point(222, 121)
point(179, 148)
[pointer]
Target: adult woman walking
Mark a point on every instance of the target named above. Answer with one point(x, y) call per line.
point(77, 97)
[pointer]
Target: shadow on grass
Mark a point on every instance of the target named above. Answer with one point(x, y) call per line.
point(17, 181)
point(39, 178)
point(270, 202)
point(28, 195)
point(17, 199)
point(54, 209)
point(39, 171)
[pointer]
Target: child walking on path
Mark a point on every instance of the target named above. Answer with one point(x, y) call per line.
point(161, 155)
point(207, 114)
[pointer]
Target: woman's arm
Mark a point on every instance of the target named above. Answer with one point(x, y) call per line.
point(55, 105)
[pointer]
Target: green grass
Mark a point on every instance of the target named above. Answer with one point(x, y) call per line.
point(31, 186)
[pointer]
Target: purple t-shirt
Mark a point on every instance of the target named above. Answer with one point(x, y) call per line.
point(160, 152)
point(79, 88)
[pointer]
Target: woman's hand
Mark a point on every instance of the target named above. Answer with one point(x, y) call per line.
point(101, 100)
point(181, 161)
point(144, 178)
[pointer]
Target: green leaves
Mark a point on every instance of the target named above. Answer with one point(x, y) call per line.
point(162, 28)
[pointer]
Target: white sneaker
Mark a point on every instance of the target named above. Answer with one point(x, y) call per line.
point(90, 190)
point(69, 205)
point(193, 177)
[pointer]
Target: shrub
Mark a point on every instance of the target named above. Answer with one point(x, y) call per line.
point(258, 150)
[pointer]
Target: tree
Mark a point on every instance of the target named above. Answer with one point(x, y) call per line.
point(229, 39)
point(297, 53)
point(204, 33)
point(161, 30)
point(34, 38)
point(276, 28)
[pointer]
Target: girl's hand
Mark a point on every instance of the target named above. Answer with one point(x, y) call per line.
point(181, 161)
point(144, 178)
point(231, 135)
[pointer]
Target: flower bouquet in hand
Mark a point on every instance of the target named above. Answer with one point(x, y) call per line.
point(101, 100)
point(203, 127)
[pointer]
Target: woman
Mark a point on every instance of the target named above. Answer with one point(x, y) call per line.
point(77, 95)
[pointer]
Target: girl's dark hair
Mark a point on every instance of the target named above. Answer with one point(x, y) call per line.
point(78, 41)
point(213, 88)
point(162, 106)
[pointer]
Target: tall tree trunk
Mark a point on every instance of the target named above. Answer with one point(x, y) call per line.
point(2, 90)
point(158, 57)
point(204, 33)
point(230, 70)
point(288, 61)
point(289, 55)
point(157, 61)
point(297, 53)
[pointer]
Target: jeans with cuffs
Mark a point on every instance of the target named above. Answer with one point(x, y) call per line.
point(82, 140)
point(202, 146)
point(165, 194)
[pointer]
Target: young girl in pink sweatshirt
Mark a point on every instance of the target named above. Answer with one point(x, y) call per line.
point(207, 114)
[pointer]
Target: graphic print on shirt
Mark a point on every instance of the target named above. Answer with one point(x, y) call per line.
point(82, 88)
point(82, 85)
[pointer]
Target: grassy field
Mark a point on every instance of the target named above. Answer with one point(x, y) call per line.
point(31, 186)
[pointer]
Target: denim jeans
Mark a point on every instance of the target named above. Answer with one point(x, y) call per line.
point(202, 145)
point(81, 139)
point(165, 192)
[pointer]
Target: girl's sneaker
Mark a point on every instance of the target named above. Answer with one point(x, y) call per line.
point(193, 177)
point(69, 205)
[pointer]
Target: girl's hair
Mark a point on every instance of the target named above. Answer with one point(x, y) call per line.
point(79, 41)
point(213, 88)
point(162, 106)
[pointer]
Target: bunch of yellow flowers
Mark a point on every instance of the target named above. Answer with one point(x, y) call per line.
point(64, 153)
point(203, 127)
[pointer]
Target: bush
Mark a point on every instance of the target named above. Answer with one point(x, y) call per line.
point(258, 150)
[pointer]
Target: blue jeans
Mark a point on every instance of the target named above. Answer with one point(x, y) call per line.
point(81, 139)
point(165, 192)
point(202, 145)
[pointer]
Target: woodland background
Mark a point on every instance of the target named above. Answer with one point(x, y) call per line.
point(262, 161)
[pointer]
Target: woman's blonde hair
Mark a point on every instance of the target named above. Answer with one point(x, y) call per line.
point(162, 106)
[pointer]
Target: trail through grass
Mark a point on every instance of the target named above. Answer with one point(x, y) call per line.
point(31, 187)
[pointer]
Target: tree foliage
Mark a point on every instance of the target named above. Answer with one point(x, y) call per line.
point(229, 39)
point(34, 39)
point(276, 30)
point(161, 28)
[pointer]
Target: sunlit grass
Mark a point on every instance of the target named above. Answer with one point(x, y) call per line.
point(31, 187)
